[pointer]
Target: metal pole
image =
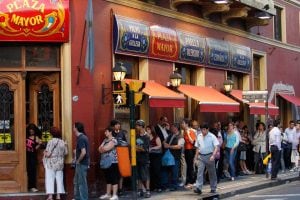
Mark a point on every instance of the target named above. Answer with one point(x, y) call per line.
point(267, 130)
point(133, 144)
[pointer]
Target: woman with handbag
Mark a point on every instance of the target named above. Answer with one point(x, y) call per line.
point(259, 149)
point(54, 163)
point(109, 164)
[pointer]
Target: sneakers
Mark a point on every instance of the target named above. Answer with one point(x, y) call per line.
point(226, 174)
point(34, 190)
point(232, 178)
point(147, 194)
point(105, 196)
point(198, 191)
point(114, 197)
point(213, 191)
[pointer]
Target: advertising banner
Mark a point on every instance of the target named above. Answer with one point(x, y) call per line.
point(241, 58)
point(163, 43)
point(191, 47)
point(218, 53)
point(131, 36)
point(34, 20)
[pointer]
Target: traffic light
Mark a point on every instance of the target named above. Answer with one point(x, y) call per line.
point(120, 99)
point(119, 86)
point(138, 98)
point(136, 86)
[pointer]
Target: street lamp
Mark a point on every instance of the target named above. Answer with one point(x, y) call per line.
point(175, 79)
point(228, 84)
point(119, 72)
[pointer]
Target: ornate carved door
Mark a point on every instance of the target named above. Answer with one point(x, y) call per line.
point(12, 133)
point(44, 110)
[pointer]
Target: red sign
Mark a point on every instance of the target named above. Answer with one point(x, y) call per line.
point(163, 43)
point(34, 20)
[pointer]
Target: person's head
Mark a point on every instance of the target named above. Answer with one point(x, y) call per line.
point(174, 128)
point(108, 132)
point(292, 124)
point(163, 121)
point(184, 124)
point(115, 124)
point(276, 122)
point(139, 125)
point(55, 132)
point(32, 130)
point(195, 124)
point(151, 130)
point(261, 126)
point(298, 124)
point(78, 128)
point(204, 129)
point(230, 126)
point(214, 131)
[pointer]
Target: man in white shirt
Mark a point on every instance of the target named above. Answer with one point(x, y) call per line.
point(295, 147)
point(207, 146)
point(275, 147)
point(288, 140)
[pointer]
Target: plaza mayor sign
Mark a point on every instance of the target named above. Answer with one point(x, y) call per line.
point(34, 20)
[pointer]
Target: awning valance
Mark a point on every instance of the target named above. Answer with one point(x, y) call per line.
point(210, 100)
point(256, 108)
point(292, 99)
point(160, 96)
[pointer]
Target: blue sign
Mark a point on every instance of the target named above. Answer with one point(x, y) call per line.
point(218, 53)
point(131, 36)
point(192, 47)
point(240, 58)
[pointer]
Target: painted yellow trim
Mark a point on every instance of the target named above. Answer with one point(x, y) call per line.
point(201, 22)
point(144, 75)
point(66, 97)
point(246, 82)
point(283, 23)
point(263, 78)
point(200, 76)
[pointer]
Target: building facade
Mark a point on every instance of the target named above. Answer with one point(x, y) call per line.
point(207, 43)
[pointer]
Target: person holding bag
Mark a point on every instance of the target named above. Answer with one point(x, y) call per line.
point(259, 147)
point(53, 161)
point(109, 164)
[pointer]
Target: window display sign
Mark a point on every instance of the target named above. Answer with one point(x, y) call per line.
point(192, 47)
point(240, 58)
point(218, 53)
point(131, 36)
point(34, 20)
point(163, 43)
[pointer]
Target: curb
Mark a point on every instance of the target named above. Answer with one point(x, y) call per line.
point(248, 189)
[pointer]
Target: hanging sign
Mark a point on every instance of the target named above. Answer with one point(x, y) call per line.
point(34, 20)
point(241, 58)
point(191, 47)
point(131, 36)
point(163, 43)
point(218, 53)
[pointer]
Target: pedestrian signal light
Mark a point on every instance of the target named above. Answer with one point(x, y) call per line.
point(120, 99)
point(119, 86)
point(136, 86)
point(138, 98)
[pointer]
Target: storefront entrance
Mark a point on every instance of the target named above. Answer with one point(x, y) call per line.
point(25, 97)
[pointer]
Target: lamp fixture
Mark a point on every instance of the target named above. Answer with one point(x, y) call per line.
point(119, 72)
point(262, 15)
point(228, 84)
point(175, 79)
point(221, 1)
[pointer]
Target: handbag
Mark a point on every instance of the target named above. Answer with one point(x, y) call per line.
point(168, 159)
point(105, 161)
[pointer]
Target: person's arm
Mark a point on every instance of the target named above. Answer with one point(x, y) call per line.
point(158, 142)
point(179, 145)
point(216, 145)
point(81, 156)
point(109, 146)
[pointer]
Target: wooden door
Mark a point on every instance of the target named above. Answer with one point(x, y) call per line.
point(44, 111)
point(12, 133)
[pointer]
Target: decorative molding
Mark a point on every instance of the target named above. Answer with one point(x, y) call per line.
point(214, 8)
point(235, 13)
point(281, 88)
point(293, 2)
point(201, 22)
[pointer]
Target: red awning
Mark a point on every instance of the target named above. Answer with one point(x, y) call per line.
point(292, 99)
point(160, 96)
point(255, 108)
point(260, 109)
point(210, 100)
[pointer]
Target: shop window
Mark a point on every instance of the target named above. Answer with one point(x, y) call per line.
point(237, 79)
point(45, 112)
point(278, 24)
point(6, 118)
point(28, 56)
point(256, 72)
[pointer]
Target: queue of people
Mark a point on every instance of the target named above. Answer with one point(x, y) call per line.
point(197, 152)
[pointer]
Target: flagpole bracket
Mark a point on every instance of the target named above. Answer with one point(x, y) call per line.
point(106, 94)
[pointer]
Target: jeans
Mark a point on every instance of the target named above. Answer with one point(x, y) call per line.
point(275, 160)
point(231, 160)
point(174, 177)
point(80, 182)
